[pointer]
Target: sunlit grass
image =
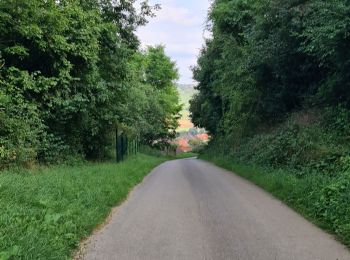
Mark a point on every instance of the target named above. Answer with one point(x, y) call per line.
point(47, 212)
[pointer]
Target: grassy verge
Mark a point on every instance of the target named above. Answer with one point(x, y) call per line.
point(323, 199)
point(185, 155)
point(45, 213)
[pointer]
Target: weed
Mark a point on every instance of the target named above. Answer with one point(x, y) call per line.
point(321, 198)
point(46, 212)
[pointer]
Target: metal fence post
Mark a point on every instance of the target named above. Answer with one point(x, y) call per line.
point(116, 145)
point(119, 146)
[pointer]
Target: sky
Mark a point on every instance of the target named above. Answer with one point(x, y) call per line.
point(179, 25)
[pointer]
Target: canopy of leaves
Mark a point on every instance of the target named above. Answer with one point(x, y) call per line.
point(266, 59)
point(71, 72)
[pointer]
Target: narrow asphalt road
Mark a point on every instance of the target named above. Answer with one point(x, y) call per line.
point(190, 209)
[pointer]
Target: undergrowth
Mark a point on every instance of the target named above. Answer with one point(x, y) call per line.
point(323, 199)
point(305, 163)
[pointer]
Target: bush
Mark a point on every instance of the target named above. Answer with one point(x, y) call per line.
point(318, 146)
point(321, 198)
point(333, 207)
point(20, 128)
point(197, 145)
point(53, 149)
point(337, 120)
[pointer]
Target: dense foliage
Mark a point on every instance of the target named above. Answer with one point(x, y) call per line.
point(274, 82)
point(71, 72)
point(265, 63)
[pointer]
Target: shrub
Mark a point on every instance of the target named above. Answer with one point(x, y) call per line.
point(317, 146)
point(333, 207)
point(20, 128)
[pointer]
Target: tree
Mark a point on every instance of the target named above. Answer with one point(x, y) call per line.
point(267, 59)
point(163, 114)
point(66, 68)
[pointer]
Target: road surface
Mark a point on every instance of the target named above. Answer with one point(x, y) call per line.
point(191, 209)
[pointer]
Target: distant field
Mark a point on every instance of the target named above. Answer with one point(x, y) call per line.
point(185, 122)
point(186, 92)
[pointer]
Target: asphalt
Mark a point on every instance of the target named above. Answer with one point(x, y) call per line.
point(191, 209)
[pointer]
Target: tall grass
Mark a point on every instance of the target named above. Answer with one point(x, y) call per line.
point(45, 213)
point(323, 199)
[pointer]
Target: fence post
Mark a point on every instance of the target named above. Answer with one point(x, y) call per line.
point(125, 147)
point(137, 144)
point(119, 146)
point(122, 145)
point(116, 145)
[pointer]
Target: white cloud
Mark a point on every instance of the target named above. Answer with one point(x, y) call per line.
point(177, 15)
point(179, 25)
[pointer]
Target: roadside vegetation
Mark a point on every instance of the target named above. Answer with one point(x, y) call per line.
point(46, 212)
point(72, 72)
point(274, 96)
point(322, 199)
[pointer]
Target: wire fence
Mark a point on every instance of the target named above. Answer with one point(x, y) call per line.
point(126, 146)
point(131, 145)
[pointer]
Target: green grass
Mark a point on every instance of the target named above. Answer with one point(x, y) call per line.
point(185, 155)
point(321, 198)
point(45, 213)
